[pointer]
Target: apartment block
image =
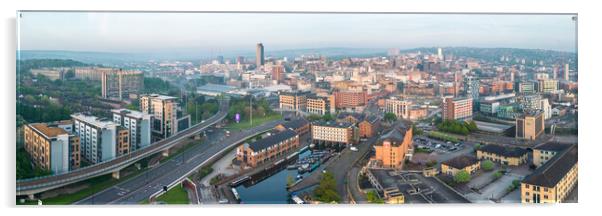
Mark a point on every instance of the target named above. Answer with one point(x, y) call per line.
point(51, 147)
point(267, 149)
point(457, 108)
point(100, 139)
point(138, 124)
point(119, 84)
point(333, 133)
point(163, 109)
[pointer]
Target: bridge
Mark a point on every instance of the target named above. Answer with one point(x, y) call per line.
point(40, 184)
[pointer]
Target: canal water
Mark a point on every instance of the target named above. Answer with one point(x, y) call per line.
point(271, 190)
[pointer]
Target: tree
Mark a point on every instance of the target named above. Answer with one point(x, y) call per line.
point(487, 165)
point(327, 117)
point(313, 117)
point(373, 197)
point(462, 177)
point(390, 117)
point(326, 190)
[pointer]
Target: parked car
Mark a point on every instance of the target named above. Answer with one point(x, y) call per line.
point(353, 148)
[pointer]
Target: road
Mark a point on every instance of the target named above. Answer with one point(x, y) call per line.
point(144, 185)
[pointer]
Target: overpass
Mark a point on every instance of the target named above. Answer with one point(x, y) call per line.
point(40, 184)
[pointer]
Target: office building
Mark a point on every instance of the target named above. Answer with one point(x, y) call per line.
point(259, 55)
point(51, 147)
point(100, 139)
point(119, 84)
point(318, 105)
point(350, 98)
point(267, 149)
point(543, 153)
point(50, 73)
point(566, 72)
point(278, 73)
point(527, 87)
point(399, 107)
point(293, 101)
point(369, 126)
point(300, 126)
point(554, 181)
point(457, 109)
point(138, 124)
point(393, 147)
point(91, 73)
point(471, 89)
point(511, 156)
point(164, 112)
point(547, 85)
point(452, 166)
point(530, 125)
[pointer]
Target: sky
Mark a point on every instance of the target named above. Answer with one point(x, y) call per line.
point(221, 32)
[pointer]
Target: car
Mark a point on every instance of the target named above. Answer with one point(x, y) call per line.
point(453, 149)
point(438, 146)
point(223, 201)
point(353, 148)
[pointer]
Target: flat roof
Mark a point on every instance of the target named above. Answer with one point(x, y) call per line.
point(48, 131)
point(132, 113)
point(93, 120)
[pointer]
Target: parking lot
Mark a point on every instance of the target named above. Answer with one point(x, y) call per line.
point(433, 145)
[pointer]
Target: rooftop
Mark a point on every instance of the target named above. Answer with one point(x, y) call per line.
point(215, 88)
point(162, 97)
point(93, 120)
point(461, 162)
point(272, 140)
point(553, 146)
point(396, 134)
point(504, 151)
point(132, 113)
point(295, 124)
point(357, 116)
point(48, 131)
point(554, 170)
point(333, 124)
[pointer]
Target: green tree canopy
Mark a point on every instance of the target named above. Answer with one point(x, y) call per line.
point(462, 177)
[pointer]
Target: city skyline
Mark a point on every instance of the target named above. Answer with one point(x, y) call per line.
point(186, 32)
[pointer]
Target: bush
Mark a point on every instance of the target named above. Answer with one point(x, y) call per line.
point(487, 165)
point(390, 117)
point(498, 174)
point(462, 177)
point(431, 163)
point(372, 197)
point(457, 127)
point(326, 191)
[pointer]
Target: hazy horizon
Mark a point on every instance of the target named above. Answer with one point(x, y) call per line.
point(122, 32)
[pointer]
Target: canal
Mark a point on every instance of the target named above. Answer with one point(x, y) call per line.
point(271, 190)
